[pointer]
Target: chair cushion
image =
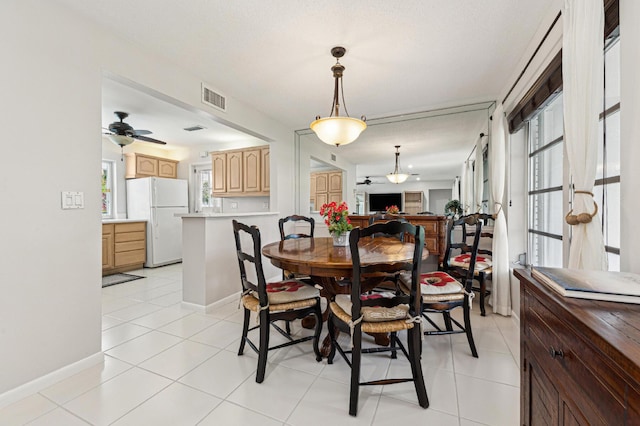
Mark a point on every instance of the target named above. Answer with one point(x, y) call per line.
point(439, 283)
point(374, 313)
point(290, 291)
point(463, 261)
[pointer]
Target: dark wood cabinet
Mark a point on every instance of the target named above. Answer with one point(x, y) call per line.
point(579, 359)
point(434, 230)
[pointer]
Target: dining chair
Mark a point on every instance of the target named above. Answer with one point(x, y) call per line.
point(282, 300)
point(483, 269)
point(295, 219)
point(359, 312)
point(451, 286)
point(381, 218)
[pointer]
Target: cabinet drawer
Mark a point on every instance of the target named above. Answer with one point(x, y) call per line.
point(130, 236)
point(431, 244)
point(593, 385)
point(130, 227)
point(130, 257)
point(129, 246)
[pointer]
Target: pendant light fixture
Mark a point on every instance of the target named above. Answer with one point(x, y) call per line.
point(397, 176)
point(336, 130)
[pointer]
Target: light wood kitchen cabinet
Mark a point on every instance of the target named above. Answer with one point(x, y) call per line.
point(142, 165)
point(265, 164)
point(123, 246)
point(219, 172)
point(326, 187)
point(413, 202)
point(234, 171)
point(241, 172)
point(108, 248)
point(251, 173)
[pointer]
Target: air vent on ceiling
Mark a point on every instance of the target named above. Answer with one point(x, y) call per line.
point(213, 98)
point(194, 128)
point(333, 157)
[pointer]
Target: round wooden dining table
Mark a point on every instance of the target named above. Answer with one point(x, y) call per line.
point(328, 265)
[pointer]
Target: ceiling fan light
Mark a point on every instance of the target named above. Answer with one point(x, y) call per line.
point(120, 140)
point(397, 177)
point(338, 130)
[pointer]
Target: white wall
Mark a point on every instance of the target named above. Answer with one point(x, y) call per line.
point(50, 310)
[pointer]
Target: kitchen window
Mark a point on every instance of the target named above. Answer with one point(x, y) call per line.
point(108, 168)
point(203, 181)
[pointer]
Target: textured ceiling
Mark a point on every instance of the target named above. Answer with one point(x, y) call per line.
point(402, 56)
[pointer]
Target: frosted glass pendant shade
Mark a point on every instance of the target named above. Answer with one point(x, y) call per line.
point(397, 177)
point(338, 130)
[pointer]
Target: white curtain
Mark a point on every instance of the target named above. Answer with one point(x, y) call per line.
point(583, 82)
point(501, 286)
point(455, 189)
point(478, 179)
point(467, 187)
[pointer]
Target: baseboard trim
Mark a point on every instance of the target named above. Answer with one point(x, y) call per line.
point(205, 309)
point(49, 379)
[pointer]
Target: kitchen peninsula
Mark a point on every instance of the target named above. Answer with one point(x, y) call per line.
point(210, 271)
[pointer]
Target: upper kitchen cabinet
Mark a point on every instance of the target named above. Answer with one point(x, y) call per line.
point(142, 165)
point(241, 172)
point(326, 187)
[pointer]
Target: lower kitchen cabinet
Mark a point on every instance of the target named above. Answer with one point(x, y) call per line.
point(123, 246)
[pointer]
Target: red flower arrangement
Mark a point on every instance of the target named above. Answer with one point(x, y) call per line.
point(392, 209)
point(335, 216)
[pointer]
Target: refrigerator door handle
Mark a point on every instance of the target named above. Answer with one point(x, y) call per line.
point(155, 223)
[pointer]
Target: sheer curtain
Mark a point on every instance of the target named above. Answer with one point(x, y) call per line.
point(478, 178)
point(467, 187)
point(455, 189)
point(501, 286)
point(583, 82)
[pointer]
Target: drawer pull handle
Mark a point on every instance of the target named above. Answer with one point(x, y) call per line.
point(556, 353)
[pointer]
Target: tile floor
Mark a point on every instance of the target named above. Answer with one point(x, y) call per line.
point(167, 365)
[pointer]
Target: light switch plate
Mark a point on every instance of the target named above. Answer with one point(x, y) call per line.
point(72, 200)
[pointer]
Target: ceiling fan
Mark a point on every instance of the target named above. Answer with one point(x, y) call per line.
point(123, 134)
point(367, 181)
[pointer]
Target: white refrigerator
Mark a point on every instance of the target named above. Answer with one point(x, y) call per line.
point(158, 200)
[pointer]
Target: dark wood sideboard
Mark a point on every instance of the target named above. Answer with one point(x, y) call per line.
point(579, 359)
point(434, 230)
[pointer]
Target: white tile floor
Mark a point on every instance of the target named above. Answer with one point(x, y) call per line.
point(167, 365)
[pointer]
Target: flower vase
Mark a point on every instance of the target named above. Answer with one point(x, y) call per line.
point(341, 240)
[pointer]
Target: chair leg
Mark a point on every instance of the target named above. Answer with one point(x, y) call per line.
point(467, 328)
point(263, 350)
point(318, 329)
point(245, 330)
point(447, 321)
point(392, 344)
point(483, 293)
point(356, 354)
point(415, 349)
point(331, 327)
point(287, 327)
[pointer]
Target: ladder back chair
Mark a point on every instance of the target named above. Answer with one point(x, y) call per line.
point(283, 300)
point(452, 286)
point(483, 269)
point(358, 312)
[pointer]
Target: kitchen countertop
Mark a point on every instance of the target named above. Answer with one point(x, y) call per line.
point(222, 215)
point(122, 220)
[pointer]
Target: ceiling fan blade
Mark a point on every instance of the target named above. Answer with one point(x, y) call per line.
point(147, 139)
point(141, 132)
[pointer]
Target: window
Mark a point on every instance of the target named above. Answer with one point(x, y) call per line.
point(203, 181)
point(108, 168)
point(607, 185)
point(546, 152)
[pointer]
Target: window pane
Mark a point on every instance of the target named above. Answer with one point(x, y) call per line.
point(610, 214)
point(612, 129)
point(612, 74)
point(545, 251)
point(545, 212)
point(546, 168)
point(107, 189)
point(552, 120)
point(614, 261)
